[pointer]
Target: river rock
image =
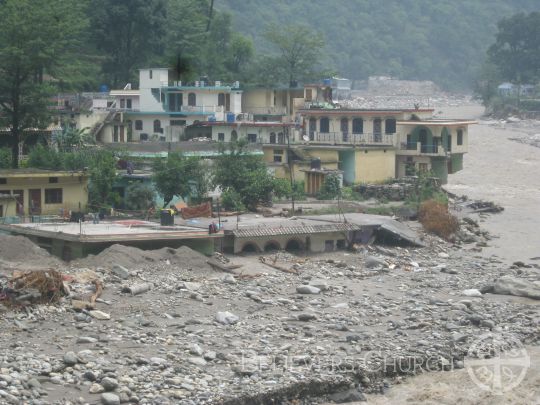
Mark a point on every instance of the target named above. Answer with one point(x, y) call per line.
point(508, 285)
point(103, 316)
point(108, 398)
point(227, 318)
point(70, 358)
point(472, 292)
point(120, 271)
point(307, 289)
point(371, 262)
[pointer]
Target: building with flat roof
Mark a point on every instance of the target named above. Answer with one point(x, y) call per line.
point(45, 192)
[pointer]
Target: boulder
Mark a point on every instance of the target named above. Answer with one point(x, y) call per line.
point(508, 285)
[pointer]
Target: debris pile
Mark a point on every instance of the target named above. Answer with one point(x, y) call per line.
point(37, 286)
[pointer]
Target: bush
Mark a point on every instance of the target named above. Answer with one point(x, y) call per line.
point(232, 201)
point(330, 188)
point(436, 219)
point(140, 196)
point(5, 158)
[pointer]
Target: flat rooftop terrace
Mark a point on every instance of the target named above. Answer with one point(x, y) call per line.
point(109, 231)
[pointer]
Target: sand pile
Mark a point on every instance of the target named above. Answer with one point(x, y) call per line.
point(133, 258)
point(21, 250)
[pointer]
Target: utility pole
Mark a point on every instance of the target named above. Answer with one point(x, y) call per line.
point(286, 128)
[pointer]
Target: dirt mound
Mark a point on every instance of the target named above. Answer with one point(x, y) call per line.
point(21, 250)
point(134, 258)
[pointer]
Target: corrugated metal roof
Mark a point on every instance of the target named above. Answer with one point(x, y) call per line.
point(294, 230)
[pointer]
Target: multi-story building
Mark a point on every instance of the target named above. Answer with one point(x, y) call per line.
point(162, 108)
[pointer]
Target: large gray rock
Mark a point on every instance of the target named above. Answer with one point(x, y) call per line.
point(227, 318)
point(120, 271)
point(508, 285)
point(70, 358)
point(307, 289)
point(108, 398)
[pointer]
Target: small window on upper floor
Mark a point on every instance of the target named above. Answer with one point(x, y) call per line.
point(150, 74)
point(221, 137)
point(53, 179)
point(192, 99)
point(460, 137)
point(252, 138)
point(3, 180)
point(138, 125)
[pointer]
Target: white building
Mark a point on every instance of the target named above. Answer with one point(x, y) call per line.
point(161, 108)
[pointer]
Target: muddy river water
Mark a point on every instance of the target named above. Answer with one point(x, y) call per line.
point(507, 172)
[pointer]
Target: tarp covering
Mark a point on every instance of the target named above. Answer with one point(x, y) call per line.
point(202, 210)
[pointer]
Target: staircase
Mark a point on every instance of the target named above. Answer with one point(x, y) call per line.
point(96, 129)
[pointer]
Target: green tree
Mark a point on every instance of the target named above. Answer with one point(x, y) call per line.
point(140, 196)
point(178, 175)
point(299, 50)
point(331, 188)
point(102, 176)
point(5, 158)
point(245, 174)
point(516, 51)
point(72, 139)
point(130, 34)
point(37, 38)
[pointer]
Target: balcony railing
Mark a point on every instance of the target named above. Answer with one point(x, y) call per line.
point(419, 148)
point(346, 138)
point(202, 109)
point(267, 110)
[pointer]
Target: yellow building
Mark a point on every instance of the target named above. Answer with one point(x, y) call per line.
point(44, 192)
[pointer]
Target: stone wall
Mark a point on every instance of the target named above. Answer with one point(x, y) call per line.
point(399, 190)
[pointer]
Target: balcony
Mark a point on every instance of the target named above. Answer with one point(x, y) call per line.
point(345, 138)
point(199, 109)
point(417, 148)
point(274, 110)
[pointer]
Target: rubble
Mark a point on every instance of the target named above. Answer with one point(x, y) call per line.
point(202, 336)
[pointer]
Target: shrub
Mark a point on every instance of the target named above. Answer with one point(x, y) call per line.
point(5, 158)
point(232, 201)
point(140, 196)
point(436, 219)
point(330, 188)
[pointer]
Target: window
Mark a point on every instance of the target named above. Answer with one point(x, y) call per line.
point(324, 125)
point(53, 196)
point(143, 137)
point(280, 138)
point(422, 167)
point(150, 74)
point(122, 103)
point(460, 137)
point(221, 99)
point(115, 133)
point(252, 138)
point(175, 102)
point(157, 126)
point(234, 136)
point(358, 126)
point(53, 179)
point(3, 180)
point(278, 155)
point(390, 126)
point(309, 94)
point(178, 123)
point(128, 103)
point(272, 137)
point(221, 136)
point(138, 125)
point(192, 99)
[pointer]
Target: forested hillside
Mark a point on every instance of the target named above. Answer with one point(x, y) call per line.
point(440, 40)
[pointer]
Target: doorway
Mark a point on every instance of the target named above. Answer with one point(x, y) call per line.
point(34, 206)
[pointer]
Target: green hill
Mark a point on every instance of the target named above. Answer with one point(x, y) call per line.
point(440, 40)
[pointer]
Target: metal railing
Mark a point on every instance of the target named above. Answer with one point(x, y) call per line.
point(267, 110)
point(422, 148)
point(347, 138)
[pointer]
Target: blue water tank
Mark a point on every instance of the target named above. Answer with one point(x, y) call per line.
point(327, 82)
point(230, 117)
point(103, 88)
point(212, 118)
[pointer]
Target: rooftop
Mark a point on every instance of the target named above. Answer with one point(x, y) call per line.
point(40, 173)
point(110, 231)
point(437, 122)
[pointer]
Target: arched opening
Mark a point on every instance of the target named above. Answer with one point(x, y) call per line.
point(250, 247)
point(377, 130)
point(272, 246)
point(234, 136)
point(280, 138)
point(192, 99)
point(358, 126)
point(324, 125)
point(272, 137)
point(294, 245)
